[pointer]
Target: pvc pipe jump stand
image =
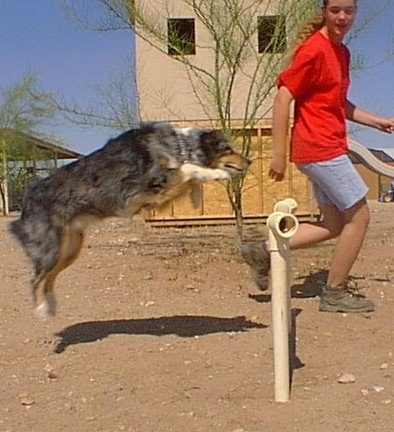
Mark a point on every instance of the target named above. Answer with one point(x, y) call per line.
point(282, 224)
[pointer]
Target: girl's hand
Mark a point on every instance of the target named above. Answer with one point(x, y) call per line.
point(278, 167)
point(385, 124)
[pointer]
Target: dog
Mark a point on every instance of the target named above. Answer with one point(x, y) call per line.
point(144, 167)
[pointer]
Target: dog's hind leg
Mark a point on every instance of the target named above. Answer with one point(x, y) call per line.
point(44, 305)
point(70, 246)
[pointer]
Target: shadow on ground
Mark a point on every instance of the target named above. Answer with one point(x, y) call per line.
point(309, 286)
point(184, 326)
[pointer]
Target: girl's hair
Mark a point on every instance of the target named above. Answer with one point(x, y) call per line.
point(307, 29)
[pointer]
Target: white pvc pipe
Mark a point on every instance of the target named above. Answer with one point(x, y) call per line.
point(281, 226)
point(288, 205)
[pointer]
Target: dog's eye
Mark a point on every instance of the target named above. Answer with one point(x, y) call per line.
point(227, 149)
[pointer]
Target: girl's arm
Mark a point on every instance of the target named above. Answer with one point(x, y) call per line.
point(280, 127)
point(358, 115)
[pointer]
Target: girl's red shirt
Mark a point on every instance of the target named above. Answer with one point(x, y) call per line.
point(318, 79)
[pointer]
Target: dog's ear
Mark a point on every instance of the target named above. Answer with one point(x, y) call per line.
point(208, 146)
point(211, 136)
point(215, 139)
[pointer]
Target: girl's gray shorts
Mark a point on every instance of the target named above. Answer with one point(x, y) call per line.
point(335, 181)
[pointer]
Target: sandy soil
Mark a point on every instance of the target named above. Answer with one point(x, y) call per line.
point(163, 330)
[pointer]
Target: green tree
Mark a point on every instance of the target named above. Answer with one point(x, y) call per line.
point(23, 108)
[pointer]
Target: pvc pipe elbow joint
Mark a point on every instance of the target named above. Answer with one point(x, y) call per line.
point(288, 205)
point(282, 224)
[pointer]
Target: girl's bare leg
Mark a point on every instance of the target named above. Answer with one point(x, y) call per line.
point(329, 227)
point(349, 243)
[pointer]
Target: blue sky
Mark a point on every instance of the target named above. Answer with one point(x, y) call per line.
point(37, 37)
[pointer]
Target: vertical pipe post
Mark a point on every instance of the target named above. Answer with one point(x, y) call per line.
point(281, 226)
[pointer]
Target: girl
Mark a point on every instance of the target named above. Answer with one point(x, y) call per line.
point(317, 80)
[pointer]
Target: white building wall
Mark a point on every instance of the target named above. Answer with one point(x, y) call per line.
point(164, 88)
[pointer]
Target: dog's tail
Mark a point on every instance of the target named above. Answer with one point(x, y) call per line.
point(39, 238)
point(15, 228)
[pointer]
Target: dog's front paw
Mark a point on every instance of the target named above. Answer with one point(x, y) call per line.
point(221, 174)
point(195, 194)
point(203, 174)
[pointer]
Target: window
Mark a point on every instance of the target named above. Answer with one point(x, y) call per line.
point(181, 36)
point(271, 34)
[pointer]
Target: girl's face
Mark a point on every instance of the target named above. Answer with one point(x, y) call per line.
point(338, 18)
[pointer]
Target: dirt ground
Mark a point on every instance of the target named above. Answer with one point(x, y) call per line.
point(163, 330)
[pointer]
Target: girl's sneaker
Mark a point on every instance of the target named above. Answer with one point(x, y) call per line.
point(344, 298)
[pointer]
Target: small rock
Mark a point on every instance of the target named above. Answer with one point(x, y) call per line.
point(365, 392)
point(187, 414)
point(26, 401)
point(378, 388)
point(52, 375)
point(148, 276)
point(384, 366)
point(347, 379)
point(149, 303)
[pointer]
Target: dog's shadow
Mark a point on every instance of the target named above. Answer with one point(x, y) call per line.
point(309, 286)
point(181, 325)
